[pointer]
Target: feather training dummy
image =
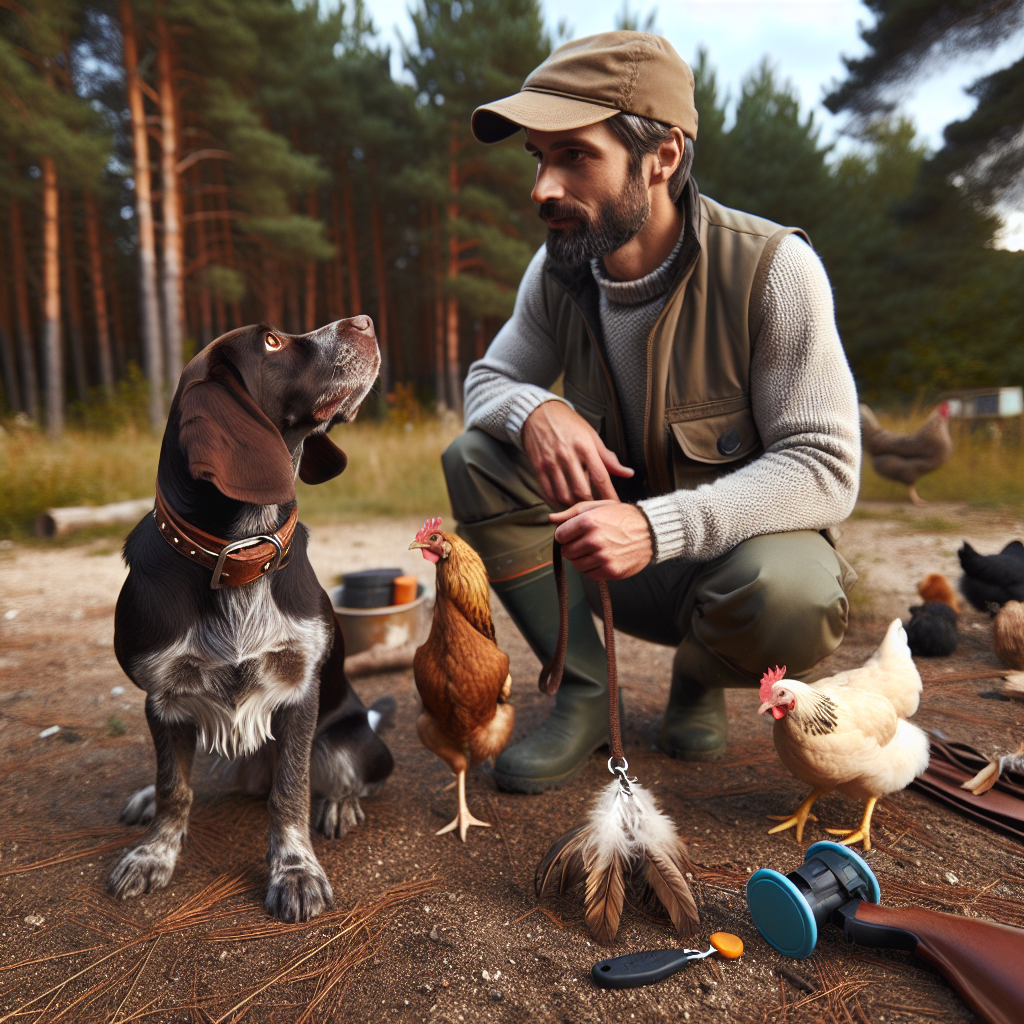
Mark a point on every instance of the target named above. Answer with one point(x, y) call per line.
point(627, 842)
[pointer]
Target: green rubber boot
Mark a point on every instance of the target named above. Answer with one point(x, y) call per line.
point(696, 727)
point(578, 723)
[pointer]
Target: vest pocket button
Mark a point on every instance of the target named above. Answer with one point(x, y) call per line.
point(729, 442)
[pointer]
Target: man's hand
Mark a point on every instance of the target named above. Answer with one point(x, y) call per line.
point(605, 540)
point(570, 460)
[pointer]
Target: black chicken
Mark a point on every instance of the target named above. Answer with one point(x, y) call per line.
point(992, 579)
point(931, 631)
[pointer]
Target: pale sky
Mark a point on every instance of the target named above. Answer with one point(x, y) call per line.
point(805, 39)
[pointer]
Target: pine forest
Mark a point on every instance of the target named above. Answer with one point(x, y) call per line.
point(172, 169)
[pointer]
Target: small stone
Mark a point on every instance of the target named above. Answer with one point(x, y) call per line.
point(435, 935)
point(50, 731)
point(951, 878)
point(116, 691)
point(12, 614)
point(496, 995)
point(486, 975)
point(223, 954)
point(35, 920)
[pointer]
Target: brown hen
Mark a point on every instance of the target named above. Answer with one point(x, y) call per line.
point(461, 675)
point(908, 457)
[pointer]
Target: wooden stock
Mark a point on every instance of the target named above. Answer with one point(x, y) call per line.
point(982, 960)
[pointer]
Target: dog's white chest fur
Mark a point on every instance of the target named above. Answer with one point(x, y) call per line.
point(232, 670)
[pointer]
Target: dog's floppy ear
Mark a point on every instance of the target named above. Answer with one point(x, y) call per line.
point(322, 460)
point(229, 441)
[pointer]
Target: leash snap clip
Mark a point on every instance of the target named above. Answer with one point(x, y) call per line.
point(238, 545)
point(619, 771)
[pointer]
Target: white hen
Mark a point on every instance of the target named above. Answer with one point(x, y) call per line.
point(850, 731)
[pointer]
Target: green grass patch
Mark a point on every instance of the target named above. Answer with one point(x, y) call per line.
point(115, 727)
point(987, 470)
point(393, 469)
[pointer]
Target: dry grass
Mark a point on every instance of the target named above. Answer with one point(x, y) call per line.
point(985, 469)
point(393, 470)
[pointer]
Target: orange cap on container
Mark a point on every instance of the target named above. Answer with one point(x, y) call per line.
point(404, 589)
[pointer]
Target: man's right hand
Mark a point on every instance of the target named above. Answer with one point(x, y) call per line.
point(571, 461)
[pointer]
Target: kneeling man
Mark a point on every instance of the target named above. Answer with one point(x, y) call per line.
point(708, 434)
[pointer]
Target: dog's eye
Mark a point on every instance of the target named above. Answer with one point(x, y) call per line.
point(273, 342)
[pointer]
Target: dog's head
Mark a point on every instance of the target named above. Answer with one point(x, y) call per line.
point(257, 403)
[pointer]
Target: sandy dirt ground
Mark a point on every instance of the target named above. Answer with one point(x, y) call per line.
point(426, 928)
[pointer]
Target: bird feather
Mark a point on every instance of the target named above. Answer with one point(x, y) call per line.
point(606, 890)
point(562, 866)
point(623, 837)
point(669, 885)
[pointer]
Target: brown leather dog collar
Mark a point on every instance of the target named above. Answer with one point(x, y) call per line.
point(234, 563)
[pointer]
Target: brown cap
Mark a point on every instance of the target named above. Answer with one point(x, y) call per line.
point(592, 79)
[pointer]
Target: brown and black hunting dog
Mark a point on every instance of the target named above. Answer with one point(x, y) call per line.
point(222, 621)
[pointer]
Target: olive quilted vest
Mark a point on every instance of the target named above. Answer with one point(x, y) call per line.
point(698, 423)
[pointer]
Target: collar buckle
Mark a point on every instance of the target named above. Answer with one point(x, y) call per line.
point(230, 549)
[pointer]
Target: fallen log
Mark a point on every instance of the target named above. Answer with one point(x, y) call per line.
point(58, 522)
point(380, 658)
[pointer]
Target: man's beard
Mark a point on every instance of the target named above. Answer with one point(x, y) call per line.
point(618, 221)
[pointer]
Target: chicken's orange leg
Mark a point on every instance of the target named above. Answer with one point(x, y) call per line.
point(916, 498)
point(463, 819)
point(864, 832)
point(798, 817)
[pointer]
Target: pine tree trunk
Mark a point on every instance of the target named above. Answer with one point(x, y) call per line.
point(337, 311)
point(8, 360)
point(274, 288)
point(354, 294)
point(381, 326)
point(229, 245)
point(440, 384)
point(74, 300)
point(202, 260)
point(116, 314)
point(152, 341)
point(172, 282)
point(99, 295)
point(26, 344)
point(309, 313)
point(452, 305)
point(52, 354)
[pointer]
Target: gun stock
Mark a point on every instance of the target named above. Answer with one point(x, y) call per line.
point(982, 960)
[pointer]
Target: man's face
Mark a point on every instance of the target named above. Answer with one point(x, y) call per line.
point(591, 199)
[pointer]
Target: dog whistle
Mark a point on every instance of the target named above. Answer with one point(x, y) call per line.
point(649, 966)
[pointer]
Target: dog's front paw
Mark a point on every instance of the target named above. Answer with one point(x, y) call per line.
point(140, 808)
point(333, 818)
point(299, 888)
point(144, 869)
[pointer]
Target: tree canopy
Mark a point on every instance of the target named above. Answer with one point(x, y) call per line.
point(255, 160)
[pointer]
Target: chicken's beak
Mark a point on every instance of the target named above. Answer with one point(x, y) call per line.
point(766, 706)
point(418, 544)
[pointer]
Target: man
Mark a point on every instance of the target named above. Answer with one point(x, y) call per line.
point(706, 436)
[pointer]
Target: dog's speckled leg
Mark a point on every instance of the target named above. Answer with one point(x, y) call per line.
point(150, 865)
point(299, 888)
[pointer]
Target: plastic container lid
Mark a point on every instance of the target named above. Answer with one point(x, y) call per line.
point(368, 578)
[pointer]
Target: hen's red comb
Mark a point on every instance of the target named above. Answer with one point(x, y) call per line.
point(429, 527)
point(773, 675)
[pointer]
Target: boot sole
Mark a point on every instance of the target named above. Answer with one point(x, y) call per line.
point(519, 784)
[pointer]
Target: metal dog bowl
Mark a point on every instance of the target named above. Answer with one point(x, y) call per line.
point(392, 626)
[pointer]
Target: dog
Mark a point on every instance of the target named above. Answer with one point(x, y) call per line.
point(221, 620)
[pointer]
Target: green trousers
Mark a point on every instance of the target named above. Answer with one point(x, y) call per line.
point(776, 599)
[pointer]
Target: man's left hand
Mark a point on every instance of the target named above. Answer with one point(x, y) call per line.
point(605, 540)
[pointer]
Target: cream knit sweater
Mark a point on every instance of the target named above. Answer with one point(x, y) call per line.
point(802, 394)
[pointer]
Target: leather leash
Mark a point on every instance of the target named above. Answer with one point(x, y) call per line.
point(551, 674)
point(233, 563)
